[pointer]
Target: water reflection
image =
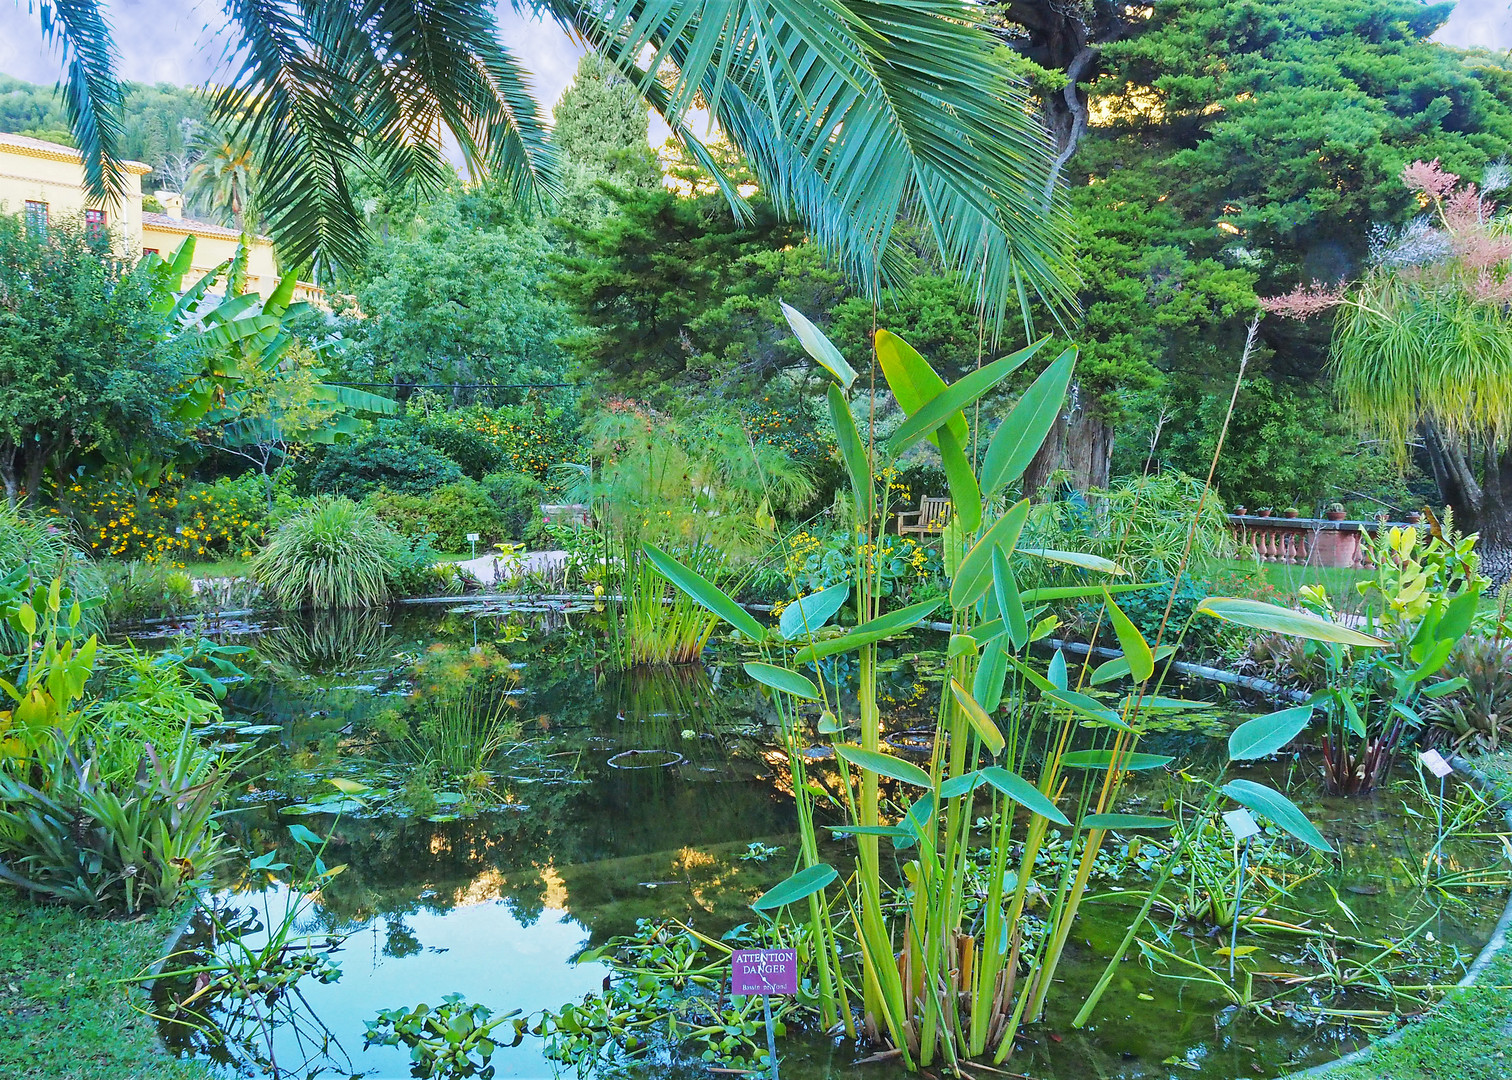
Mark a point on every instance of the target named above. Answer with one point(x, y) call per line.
point(496, 905)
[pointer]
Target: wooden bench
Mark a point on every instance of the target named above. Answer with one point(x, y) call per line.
point(928, 520)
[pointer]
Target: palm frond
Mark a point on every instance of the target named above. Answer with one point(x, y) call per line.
point(375, 83)
point(91, 92)
point(855, 112)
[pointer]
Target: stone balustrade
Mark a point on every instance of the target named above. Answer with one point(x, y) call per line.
point(1306, 541)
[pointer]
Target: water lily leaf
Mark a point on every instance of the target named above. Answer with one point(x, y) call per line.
point(1126, 822)
point(705, 592)
point(1258, 615)
point(800, 886)
point(1264, 735)
point(807, 614)
point(780, 678)
point(1101, 759)
point(819, 347)
point(1281, 810)
point(885, 765)
point(1021, 434)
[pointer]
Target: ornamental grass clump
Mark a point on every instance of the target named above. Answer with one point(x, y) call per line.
point(336, 554)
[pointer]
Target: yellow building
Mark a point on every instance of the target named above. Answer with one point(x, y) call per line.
point(45, 182)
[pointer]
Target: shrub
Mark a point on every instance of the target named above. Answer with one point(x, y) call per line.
point(449, 513)
point(81, 838)
point(517, 497)
point(139, 590)
point(173, 522)
point(474, 451)
point(336, 554)
point(388, 459)
point(45, 550)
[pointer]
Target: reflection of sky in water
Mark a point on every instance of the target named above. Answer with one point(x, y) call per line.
point(480, 951)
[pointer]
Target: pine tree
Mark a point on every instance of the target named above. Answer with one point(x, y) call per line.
point(603, 132)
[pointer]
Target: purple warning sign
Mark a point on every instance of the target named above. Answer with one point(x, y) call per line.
point(764, 971)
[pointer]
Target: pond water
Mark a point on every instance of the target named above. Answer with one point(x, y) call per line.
point(658, 794)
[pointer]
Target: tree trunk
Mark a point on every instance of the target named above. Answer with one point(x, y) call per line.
point(1080, 445)
point(11, 477)
point(1480, 506)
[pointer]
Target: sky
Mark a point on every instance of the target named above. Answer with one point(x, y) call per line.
point(178, 41)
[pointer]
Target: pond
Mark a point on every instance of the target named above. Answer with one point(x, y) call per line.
point(660, 794)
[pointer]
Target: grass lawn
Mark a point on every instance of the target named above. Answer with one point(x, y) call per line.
point(219, 568)
point(60, 1016)
point(1287, 580)
point(1467, 1036)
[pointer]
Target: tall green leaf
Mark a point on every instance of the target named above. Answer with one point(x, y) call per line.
point(703, 591)
point(975, 572)
point(853, 451)
point(884, 765)
point(1135, 649)
point(1264, 735)
point(1019, 437)
point(878, 629)
point(914, 383)
point(986, 730)
point(956, 398)
point(819, 347)
point(1258, 615)
point(800, 886)
point(808, 613)
point(1276, 806)
point(781, 678)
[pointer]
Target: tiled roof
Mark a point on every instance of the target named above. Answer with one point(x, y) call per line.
point(25, 144)
point(188, 225)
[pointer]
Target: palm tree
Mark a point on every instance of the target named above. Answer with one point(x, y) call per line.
point(222, 175)
point(850, 112)
point(1422, 349)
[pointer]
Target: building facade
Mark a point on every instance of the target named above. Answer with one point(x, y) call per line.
point(45, 182)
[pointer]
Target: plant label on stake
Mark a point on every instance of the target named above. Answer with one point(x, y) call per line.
point(472, 538)
point(1435, 763)
point(1245, 829)
point(765, 972)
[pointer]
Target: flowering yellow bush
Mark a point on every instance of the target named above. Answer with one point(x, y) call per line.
point(170, 523)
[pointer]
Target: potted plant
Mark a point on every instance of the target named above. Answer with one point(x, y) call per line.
point(1335, 512)
point(1293, 512)
point(1239, 510)
point(1414, 518)
point(1264, 511)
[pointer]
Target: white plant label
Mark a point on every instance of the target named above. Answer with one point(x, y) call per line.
point(1435, 763)
point(472, 538)
point(1241, 824)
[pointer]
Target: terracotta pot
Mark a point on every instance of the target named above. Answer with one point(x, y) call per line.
point(1294, 513)
point(1264, 513)
point(1414, 518)
point(1336, 515)
point(1240, 510)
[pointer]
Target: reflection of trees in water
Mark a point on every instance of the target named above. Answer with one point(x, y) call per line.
point(328, 643)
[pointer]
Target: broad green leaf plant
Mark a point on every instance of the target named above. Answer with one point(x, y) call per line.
point(942, 986)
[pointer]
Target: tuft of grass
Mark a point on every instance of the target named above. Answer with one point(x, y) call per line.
point(336, 554)
point(62, 1014)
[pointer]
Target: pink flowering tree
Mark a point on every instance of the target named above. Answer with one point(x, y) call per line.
point(1422, 346)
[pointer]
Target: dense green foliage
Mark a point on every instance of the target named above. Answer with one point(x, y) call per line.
point(336, 554)
point(83, 372)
